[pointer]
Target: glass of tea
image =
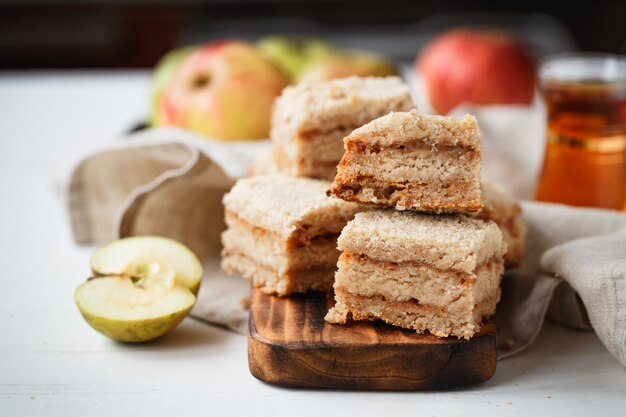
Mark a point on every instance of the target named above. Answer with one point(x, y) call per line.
point(585, 159)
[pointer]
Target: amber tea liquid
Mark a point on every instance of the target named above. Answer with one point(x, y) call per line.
point(585, 161)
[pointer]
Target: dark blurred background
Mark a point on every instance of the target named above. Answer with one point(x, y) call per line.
point(135, 33)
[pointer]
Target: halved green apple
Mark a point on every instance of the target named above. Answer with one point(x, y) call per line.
point(142, 288)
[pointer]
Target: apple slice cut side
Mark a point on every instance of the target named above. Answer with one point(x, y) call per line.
point(141, 255)
point(143, 287)
point(126, 310)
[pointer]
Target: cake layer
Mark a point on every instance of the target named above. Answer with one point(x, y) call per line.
point(407, 128)
point(414, 164)
point(287, 205)
point(304, 167)
point(410, 315)
point(269, 250)
point(432, 197)
point(456, 292)
point(446, 242)
point(317, 145)
point(273, 282)
point(312, 154)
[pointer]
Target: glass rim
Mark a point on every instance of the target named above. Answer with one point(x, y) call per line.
point(586, 57)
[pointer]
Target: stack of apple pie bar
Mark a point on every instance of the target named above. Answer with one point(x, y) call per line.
point(422, 242)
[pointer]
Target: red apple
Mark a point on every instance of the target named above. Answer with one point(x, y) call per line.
point(480, 67)
point(223, 90)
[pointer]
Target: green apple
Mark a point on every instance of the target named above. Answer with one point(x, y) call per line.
point(142, 288)
point(162, 74)
point(359, 63)
point(292, 54)
point(224, 90)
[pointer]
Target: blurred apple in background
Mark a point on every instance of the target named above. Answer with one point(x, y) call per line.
point(293, 54)
point(162, 74)
point(223, 90)
point(481, 67)
point(312, 59)
point(348, 63)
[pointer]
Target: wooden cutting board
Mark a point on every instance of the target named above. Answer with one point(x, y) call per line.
point(290, 344)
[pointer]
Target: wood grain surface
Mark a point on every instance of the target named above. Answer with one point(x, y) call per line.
point(290, 344)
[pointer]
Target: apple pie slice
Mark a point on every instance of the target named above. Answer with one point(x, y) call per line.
point(418, 271)
point(413, 161)
point(282, 233)
point(310, 120)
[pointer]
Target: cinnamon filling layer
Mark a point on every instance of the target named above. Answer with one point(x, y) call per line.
point(454, 196)
point(313, 133)
point(463, 277)
point(370, 180)
point(292, 272)
point(358, 146)
point(298, 239)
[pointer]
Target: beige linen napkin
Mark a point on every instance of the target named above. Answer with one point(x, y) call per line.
point(567, 247)
point(162, 182)
point(170, 182)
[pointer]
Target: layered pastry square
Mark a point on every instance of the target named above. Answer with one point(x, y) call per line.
point(282, 233)
point(504, 210)
point(439, 274)
point(413, 161)
point(310, 120)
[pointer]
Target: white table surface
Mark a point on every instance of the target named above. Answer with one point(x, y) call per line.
point(53, 364)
